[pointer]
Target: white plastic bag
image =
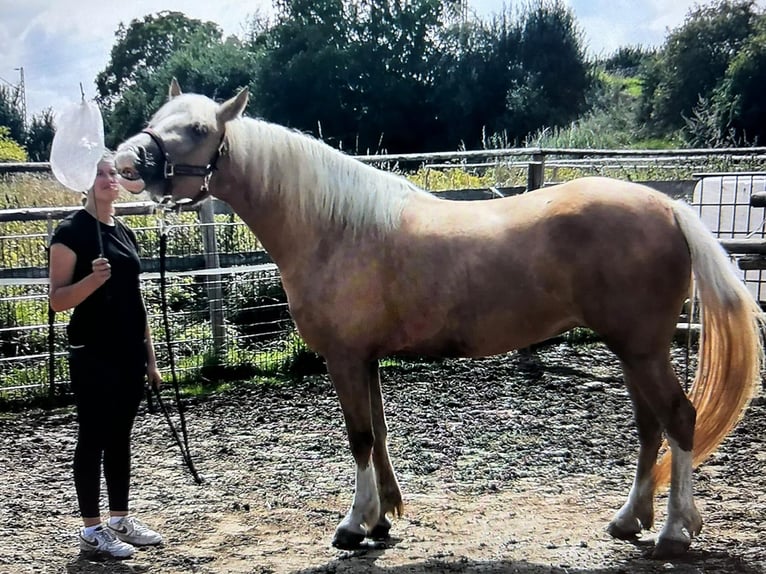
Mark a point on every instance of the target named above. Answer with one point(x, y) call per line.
point(78, 145)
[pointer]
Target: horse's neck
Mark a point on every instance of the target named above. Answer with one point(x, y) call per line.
point(271, 223)
point(272, 218)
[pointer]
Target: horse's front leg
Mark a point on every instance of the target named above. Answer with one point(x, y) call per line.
point(351, 378)
point(388, 486)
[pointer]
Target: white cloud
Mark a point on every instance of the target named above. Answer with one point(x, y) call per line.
point(668, 15)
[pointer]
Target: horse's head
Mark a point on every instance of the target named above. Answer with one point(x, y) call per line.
point(174, 158)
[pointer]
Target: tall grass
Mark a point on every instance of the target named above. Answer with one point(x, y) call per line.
point(35, 190)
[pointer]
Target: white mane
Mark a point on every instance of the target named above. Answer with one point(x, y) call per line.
point(324, 183)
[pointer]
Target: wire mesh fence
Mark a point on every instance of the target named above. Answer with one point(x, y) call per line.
point(252, 327)
point(258, 330)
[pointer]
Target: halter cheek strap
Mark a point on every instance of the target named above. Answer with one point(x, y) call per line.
point(170, 169)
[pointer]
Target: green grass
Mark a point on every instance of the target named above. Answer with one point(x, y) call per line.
point(630, 86)
point(204, 389)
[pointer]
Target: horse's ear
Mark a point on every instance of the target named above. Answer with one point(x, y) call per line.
point(234, 107)
point(175, 89)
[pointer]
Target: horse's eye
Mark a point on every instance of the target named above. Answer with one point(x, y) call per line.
point(199, 129)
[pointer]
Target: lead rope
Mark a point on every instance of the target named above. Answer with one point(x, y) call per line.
point(183, 446)
point(51, 333)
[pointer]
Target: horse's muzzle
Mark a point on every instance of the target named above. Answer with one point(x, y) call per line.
point(137, 167)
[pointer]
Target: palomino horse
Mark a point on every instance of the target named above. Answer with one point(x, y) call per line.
point(373, 266)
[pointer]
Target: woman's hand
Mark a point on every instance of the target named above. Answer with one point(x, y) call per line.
point(102, 270)
point(154, 376)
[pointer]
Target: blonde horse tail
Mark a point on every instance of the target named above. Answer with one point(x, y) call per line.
point(731, 351)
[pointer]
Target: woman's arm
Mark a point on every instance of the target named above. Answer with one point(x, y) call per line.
point(64, 294)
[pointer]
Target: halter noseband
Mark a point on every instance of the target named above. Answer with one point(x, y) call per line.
point(170, 169)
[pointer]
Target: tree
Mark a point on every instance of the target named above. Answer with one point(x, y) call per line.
point(513, 75)
point(306, 75)
point(130, 113)
point(214, 69)
point(694, 60)
point(475, 72)
point(39, 136)
point(627, 60)
point(359, 74)
point(553, 77)
point(399, 48)
point(144, 46)
point(739, 99)
point(10, 115)
point(135, 84)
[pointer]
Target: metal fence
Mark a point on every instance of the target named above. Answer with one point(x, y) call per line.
point(723, 201)
point(226, 306)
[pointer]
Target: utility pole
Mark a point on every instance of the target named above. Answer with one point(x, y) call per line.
point(21, 96)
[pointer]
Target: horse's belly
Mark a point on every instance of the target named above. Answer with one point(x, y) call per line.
point(487, 334)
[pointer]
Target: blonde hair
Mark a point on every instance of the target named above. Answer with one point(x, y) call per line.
point(107, 156)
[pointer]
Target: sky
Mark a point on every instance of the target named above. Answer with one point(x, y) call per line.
point(61, 44)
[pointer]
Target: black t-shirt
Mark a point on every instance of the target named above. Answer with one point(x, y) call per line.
point(113, 314)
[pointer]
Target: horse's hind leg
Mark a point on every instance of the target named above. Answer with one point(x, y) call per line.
point(388, 487)
point(653, 380)
point(684, 521)
point(638, 511)
point(351, 378)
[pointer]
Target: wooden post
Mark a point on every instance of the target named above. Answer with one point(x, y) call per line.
point(214, 288)
point(536, 172)
point(535, 180)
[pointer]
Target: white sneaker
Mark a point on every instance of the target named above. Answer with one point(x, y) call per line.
point(133, 531)
point(104, 543)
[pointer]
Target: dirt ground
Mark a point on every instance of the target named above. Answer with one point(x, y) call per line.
point(507, 464)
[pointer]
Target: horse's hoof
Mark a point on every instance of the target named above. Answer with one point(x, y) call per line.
point(669, 548)
point(622, 531)
point(381, 530)
point(347, 540)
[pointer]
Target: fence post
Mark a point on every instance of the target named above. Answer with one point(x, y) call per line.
point(535, 180)
point(213, 282)
point(536, 172)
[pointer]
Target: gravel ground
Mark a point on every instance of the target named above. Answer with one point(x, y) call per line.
point(507, 464)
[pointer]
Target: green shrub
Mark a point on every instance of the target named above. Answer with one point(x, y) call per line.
point(10, 150)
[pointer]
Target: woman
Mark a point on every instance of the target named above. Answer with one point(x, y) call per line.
point(110, 355)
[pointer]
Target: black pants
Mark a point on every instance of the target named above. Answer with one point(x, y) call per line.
point(108, 386)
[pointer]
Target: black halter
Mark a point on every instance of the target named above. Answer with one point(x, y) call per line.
point(170, 169)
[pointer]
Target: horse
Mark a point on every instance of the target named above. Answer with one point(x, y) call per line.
point(374, 266)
